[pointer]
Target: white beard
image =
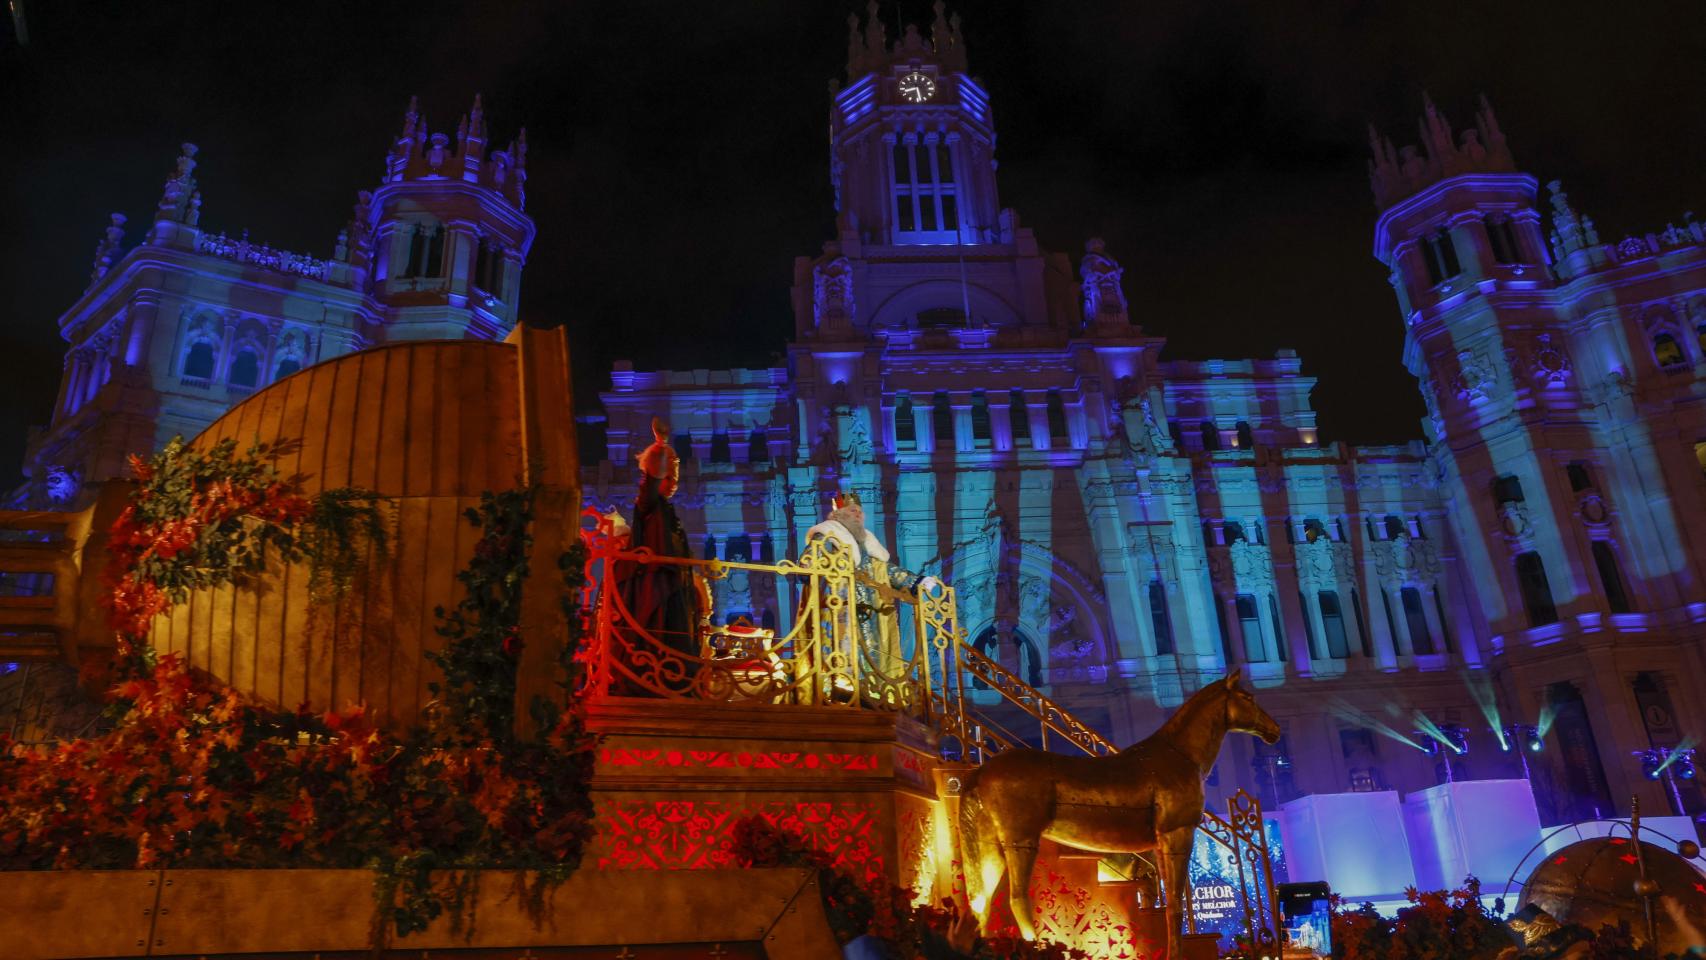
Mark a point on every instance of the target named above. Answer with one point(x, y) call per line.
point(839, 531)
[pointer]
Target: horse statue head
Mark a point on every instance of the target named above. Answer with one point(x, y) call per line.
point(1243, 714)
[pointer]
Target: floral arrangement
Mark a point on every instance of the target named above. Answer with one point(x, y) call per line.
point(195, 775)
point(856, 909)
point(1454, 925)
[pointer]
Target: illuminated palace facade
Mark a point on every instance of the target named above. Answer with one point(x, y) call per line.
point(174, 329)
point(1121, 527)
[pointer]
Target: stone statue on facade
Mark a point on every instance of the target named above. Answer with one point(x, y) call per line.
point(1104, 300)
point(832, 290)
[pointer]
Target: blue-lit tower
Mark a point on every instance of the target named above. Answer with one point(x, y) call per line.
point(1561, 382)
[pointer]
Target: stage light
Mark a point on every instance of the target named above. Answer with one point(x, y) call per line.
point(1682, 764)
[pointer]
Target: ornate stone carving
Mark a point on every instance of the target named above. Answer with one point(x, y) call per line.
point(1404, 559)
point(1475, 379)
point(1252, 564)
point(832, 289)
point(1547, 361)
point(62, 483)
point(1104, 300)
point(1514, 521)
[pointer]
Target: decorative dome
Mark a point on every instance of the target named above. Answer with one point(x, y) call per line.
point(1592, 883)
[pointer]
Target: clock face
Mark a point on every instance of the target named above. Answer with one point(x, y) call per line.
point(916, 87)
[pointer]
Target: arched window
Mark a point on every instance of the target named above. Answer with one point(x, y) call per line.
point(1610, 577)
point(683, 443)
point(905, 424)
point(1394, 527)
point(1210, 435)
point(1246, 438)
point(757, 447)
point(1667, 351)
point(1536, 592)
point(286, 367)
point(720, 452)
point(245, 369)
point(198, 363)
point(1159, 617)
point(1234, 531)
point(1314, 530)
point(1421, 638)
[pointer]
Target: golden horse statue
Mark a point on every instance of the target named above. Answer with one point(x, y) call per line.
point(1146, 797)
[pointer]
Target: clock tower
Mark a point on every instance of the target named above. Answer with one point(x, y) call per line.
point(913, 141)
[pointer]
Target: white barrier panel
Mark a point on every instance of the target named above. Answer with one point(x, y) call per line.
point(1480, 828)
point(1354, 841)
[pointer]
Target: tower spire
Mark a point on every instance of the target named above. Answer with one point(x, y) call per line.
point(1395, 175)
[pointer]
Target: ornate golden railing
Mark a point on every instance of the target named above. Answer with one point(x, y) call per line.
point(921, 665)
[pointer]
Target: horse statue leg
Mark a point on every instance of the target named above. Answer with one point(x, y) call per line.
point(1021, 857)
point(1174, 850)
point(980, 857)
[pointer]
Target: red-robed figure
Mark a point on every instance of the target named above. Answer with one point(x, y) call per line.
point(667, 601)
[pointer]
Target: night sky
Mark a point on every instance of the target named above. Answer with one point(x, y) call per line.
point(678, 159)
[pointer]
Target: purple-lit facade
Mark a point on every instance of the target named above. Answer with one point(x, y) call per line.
point(176, 328)
point(1120, 527)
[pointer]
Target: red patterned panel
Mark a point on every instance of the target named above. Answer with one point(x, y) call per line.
point(728, 759)
point(697, 834)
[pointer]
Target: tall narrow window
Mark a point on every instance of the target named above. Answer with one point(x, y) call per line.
point(1250, 624)
point(1279, 623)
point(1421, 638)
point(1392, 625)
point(924, 193)
point(1444, 621)
point(245, 369)
point(1333, 624)
point(1362, 624)
point(905, 424)
point(757, 447)
point(1502, 239)
point(1210, 435)
point(1159, 617)
point(435, 253)
point(417, 251)
point(286, 367)
point(1315, 651)
point(1441, 256)
point(720, 452)
point(1606, 560)
point(1246, 438)
point(980, 436)
point(1220, 624)
point(1056, 419)
point(198, 363)
point(683, 443)
point(482, 264)
point(942, 423)
point(1019, 419)
point(1536, 592)
point(1394, 527)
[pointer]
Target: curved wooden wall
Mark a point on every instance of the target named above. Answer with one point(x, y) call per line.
point(431, 425)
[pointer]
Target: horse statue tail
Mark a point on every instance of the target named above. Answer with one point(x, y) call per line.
point(973, 819)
